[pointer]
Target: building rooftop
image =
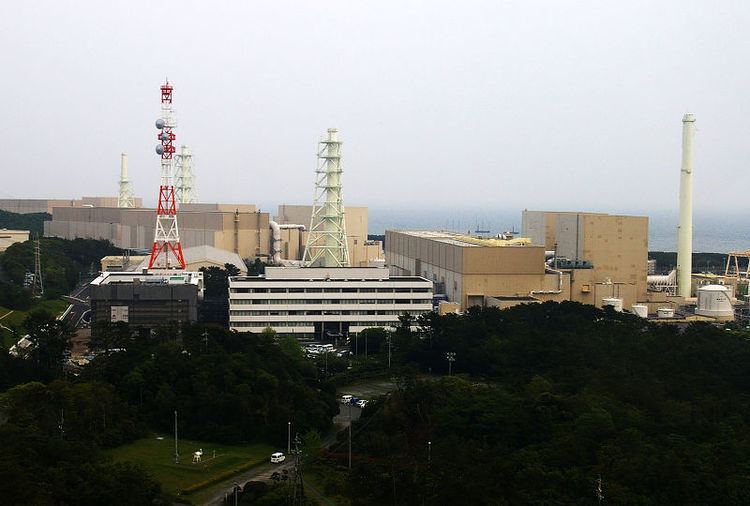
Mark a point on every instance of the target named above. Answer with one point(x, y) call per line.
point(327, 274)
point(173, 277)
point(463, 240)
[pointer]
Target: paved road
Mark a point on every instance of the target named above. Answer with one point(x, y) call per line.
point(259, 473)
point(79, 298)
point(364, 390)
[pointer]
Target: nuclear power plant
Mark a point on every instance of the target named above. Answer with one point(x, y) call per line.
point(324, 276)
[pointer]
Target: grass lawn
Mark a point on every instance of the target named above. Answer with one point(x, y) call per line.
point(16, 318)
point(157, 457)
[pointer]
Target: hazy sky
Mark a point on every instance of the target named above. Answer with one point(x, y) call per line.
point(495, 104)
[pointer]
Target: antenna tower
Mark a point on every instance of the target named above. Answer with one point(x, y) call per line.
point(38, 287)
point(166, 252)
point(326, 242)
point(185, 177)
point(125, 198)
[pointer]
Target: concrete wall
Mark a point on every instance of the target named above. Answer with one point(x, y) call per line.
point(24, 206)
point(616, 245)
point(8, 237)
point(467, 273)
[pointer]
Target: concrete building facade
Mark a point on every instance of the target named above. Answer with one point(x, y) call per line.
point(26, 206)
point(608, 254)
point(319, 302)
point(8, 237)
point(237, 228)
point(468, 271)
point(584, 257)
point(146, 301)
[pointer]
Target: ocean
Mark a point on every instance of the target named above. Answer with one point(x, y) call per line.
point(712, 232)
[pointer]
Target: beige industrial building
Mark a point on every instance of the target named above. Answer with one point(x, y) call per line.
point(26, 206)
point(598, 256)
point(8, 237)
point(614, 247)
point(237, 228)
point(471, 271)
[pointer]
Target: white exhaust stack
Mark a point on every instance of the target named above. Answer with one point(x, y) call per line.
point(685, 227)
point(125, 198)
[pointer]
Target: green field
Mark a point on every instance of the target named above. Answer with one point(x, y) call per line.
point(15, 319)
point(157, 457)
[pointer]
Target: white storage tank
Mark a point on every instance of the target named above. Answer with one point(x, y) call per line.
point(640, 310)
point(665, 312)
point(714, 301)
point(614, 302)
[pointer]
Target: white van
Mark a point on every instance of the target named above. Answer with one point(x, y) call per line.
point(346, 399)
point(277, 457)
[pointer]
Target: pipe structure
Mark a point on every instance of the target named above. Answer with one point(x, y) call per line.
point(276, 239)
point(685, 227)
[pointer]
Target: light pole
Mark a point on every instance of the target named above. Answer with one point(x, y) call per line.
point(350, 435)
point(429, 453)
point(288, 438)
point(451, 357)
point(389, 350)
point(176, 454)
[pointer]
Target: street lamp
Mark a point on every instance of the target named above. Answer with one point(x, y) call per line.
point(451, 357)
point(389, 350)
point(288, 438)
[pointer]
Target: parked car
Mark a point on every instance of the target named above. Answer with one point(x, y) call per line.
point(277, 457)
point(346, 399)
point(362, 403)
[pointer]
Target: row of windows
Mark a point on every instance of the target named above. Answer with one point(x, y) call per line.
point(327, 301)
point(329, 290)
point(294, 324)
point(313, 313)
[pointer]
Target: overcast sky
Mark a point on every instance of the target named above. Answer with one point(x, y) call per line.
point(495, 104)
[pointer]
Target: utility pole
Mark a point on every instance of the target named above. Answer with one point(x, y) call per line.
point(350, 435)
point(451, 356)
point(176, 453)
point(389, 350)
point(299, 484)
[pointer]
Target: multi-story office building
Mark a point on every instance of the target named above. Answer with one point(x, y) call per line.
point(146, 300)
point(319, 302)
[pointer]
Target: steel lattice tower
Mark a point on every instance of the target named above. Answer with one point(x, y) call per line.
point(38, 287)
point(166, 252)
point(185, 177)
point(125, 198)
point(326, 242)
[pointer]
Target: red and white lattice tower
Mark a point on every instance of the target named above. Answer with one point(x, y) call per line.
point(166, 253)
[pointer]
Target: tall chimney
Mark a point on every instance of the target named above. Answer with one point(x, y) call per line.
point(685, 227)
point(125, 198)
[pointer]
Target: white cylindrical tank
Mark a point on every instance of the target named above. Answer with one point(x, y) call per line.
point(640, 310)
point(714, 301)
point(614, 302)
point(665, 312)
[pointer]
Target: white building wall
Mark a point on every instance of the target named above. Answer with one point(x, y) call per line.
point(290, 305)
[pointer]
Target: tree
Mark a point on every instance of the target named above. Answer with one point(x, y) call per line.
point(50, 340)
